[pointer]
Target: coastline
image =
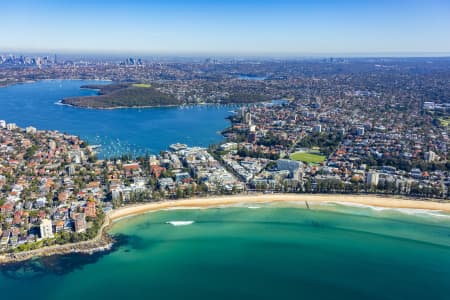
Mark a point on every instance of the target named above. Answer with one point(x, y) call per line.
point(60, 102)
point(103, 241)
point(49, 79)
point(370, 200)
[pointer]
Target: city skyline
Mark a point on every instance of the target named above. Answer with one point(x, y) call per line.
point(260, 28)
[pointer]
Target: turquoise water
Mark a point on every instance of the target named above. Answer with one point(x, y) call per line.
point(119, 131)
point(329, 252)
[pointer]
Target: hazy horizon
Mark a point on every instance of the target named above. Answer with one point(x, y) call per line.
point(231, 55)
point(229, 28)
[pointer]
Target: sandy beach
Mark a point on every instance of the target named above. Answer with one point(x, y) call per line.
point(103, 242)
point(378, 201)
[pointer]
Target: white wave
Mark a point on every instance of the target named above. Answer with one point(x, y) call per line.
point(378, 208)
point(406, 211)
point(428, 212)
point(293, 203)
point(231, 205)
point(254, 207)
point(62, 104)
point(180, 223)
point(183, 208)
point(333, 204)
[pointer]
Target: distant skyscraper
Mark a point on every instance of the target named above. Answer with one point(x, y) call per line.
point(248, 118)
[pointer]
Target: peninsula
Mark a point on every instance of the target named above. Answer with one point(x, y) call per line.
point(122, 95)
point(133, 95)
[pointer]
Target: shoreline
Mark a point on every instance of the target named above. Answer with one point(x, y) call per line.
point(103, 241)
point(61, 102)
point(50, 79)
point(198, 203)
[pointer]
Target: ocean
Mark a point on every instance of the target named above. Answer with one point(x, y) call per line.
point(271, 251)
point(119, 131)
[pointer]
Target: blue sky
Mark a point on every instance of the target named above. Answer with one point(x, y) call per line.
point(226, 27)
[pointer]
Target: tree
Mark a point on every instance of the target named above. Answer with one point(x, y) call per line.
point(308, 186)
point(179, 193)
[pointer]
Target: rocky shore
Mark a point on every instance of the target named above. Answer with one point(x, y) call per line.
point(101, 242)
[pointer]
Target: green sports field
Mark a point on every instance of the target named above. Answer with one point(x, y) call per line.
point(308, 157)
point(142, 85)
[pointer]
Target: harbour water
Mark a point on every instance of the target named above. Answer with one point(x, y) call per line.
point(131, 131)
point(254, 252)
point(251, 77)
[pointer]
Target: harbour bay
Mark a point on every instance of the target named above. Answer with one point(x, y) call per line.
point(131, 131)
